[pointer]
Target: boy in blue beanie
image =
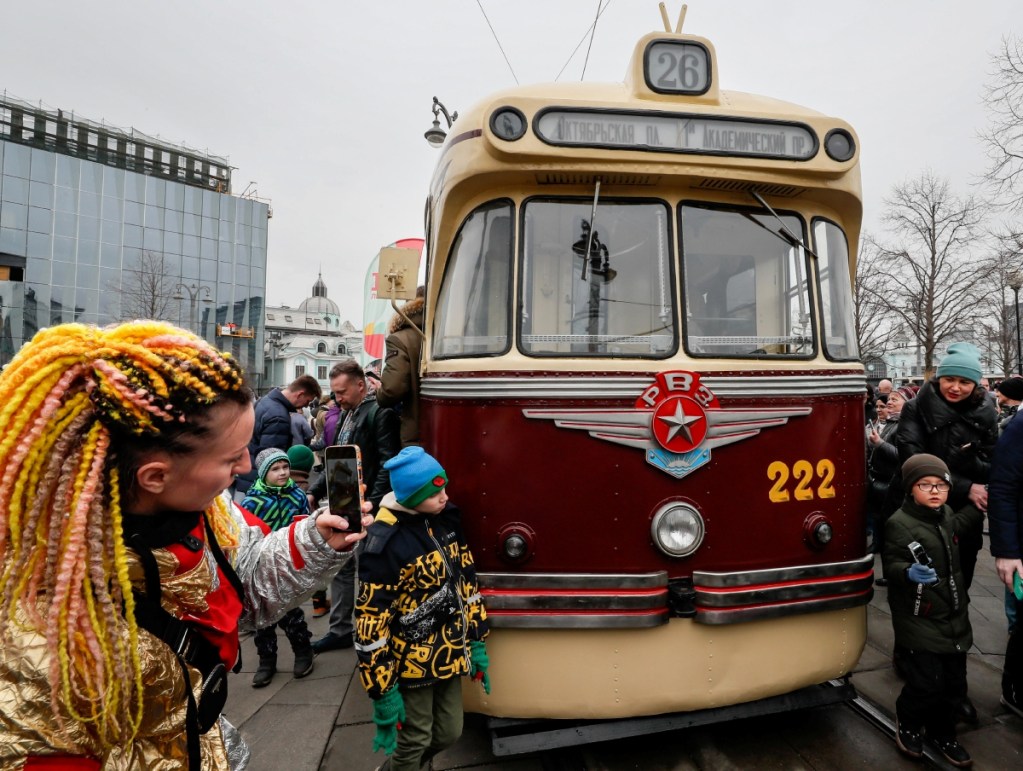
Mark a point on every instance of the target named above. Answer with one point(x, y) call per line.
point(277, 500)
point(417, 595)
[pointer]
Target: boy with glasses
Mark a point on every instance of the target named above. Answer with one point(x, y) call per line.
point(928, 602)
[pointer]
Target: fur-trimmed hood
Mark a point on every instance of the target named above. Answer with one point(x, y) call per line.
point(414, 310)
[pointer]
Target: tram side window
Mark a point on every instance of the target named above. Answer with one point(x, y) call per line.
point(836, 291)
point(746, 291)
point(473, 315)
point(614, 301)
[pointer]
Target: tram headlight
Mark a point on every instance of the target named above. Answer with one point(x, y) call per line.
point(839, 145)
point(817, 530)
point(515, 542)
point(677, 529)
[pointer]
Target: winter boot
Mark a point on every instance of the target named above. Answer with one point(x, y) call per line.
point(265, 672)
point(303, 660)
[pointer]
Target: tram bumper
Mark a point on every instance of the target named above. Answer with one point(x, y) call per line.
point(579, 646)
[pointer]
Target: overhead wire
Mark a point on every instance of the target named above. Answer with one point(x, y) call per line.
point(593, 31)
point(600, 10)
point(494, 33)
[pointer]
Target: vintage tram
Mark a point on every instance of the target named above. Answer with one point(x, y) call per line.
point(641, 372)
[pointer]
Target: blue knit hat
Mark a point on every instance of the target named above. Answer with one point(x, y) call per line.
point(415, 476)
point(267, 458)
point(962, 360)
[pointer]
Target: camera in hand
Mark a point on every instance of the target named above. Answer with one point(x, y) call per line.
point(343, 464)
point(920, 555)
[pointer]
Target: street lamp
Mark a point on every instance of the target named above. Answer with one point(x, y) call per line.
point(275, 342)
point(195, 293)
point(435, 135)
point(1016, 283)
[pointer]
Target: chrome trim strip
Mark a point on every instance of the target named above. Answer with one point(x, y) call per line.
point(758, 613)
point(778, 575)
point(541, 581)
point(577, 621)
point(529, 386)
point(769, 596)
point(576, 601)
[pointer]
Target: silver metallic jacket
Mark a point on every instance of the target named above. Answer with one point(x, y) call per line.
point(273, 585)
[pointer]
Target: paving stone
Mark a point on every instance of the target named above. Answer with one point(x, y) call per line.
point(287, 736)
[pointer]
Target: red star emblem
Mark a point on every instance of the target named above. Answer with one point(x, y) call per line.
point(679, 424)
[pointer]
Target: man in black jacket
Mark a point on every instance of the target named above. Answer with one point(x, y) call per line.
point(375, 430)
point(1005, 518)
point(273, 422)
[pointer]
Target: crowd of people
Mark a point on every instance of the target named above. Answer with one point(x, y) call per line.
point(942, 458)
point(149, 511)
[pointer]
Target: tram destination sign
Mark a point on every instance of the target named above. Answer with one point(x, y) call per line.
point(677, 133)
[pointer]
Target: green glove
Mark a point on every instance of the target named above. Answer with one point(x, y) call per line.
point(388, 714)
point(478, 663)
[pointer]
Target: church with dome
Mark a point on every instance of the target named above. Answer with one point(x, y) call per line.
point(307, 340)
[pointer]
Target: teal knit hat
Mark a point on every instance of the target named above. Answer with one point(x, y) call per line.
point(415, 476)
point(962, 360)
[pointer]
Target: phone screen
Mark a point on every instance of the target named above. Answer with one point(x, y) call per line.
point(343, 465)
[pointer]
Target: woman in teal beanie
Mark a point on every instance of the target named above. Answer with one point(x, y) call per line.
point(952, 419)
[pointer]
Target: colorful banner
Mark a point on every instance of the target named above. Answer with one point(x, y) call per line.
point(376, 314)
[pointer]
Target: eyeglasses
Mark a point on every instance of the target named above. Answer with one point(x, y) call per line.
point(936, 487)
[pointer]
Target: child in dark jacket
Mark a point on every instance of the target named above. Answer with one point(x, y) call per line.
point(277, 500)
point(419, 616)
point(928, 601)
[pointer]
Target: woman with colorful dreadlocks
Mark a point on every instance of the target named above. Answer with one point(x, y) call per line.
point(124, 568)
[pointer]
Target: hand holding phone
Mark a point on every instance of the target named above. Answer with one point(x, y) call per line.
point(343, 467)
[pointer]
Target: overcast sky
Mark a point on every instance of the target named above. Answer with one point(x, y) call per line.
point(323, 104)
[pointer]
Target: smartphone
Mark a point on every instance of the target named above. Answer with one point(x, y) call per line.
point(1017, 586)
point(343, 464)
point(920, 555)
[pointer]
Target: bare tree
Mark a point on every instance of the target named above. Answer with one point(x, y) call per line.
point(1003, 138)
point(933, 287)
point(999, 317)
point(146, 290)
point(875, 325)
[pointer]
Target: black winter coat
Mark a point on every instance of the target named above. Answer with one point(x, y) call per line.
point(882, 465)
point(1005, 493)
point(962, 436)
point(377, 433)
point(931, 618)
point(272, 429)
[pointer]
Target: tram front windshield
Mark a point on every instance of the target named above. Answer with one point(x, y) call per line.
point(745, 284)
point(602, 281)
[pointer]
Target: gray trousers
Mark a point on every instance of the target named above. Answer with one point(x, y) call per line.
point(342, 596)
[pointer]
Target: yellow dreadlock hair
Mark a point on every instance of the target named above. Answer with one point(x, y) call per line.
point(69, 400)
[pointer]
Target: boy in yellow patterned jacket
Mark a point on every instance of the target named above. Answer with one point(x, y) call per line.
point(419, 616)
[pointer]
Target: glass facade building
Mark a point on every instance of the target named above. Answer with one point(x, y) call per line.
point(99, 225)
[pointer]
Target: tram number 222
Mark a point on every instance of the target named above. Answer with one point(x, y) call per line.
point(802, 472)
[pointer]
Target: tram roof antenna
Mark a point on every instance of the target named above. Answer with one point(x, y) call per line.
point(681, 18)
point(494, 33)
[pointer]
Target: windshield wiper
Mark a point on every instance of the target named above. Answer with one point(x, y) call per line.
point(785, 233)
